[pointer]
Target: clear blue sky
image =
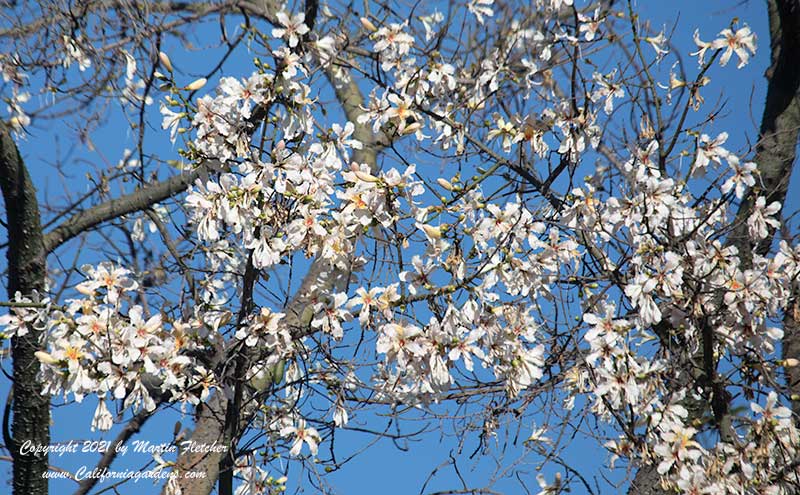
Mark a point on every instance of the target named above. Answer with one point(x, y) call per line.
point(383, 466)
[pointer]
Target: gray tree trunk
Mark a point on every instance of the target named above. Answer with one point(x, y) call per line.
point(26, 273)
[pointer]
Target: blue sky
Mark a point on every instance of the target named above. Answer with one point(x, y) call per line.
point(384, 466)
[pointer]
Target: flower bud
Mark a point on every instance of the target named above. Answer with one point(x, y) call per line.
point(411, 128)
point(433, 232)
point(445, 183)
point(365, 176)
point(368, 25)
point(165, 61)
point(85, 290)
point(45, 358)
point(195, 85)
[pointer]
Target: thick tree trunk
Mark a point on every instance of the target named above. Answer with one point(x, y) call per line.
point(791, 349)
point(26, 273)
point(210, 425)
point(775, 156)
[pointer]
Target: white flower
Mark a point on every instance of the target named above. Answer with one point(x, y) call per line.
point(429, 22)
point(74, 53)
point(589, 25)
point(608, 90)
point(393, 41)
point(639, 291)
point(102, 416)
point(340, 417)
point(367, 300)
point(106, 276)
point(762, 218)
point(505, 130)
point(302, 435)
point(741, 42)
point(293, 27)
point(330, 314)
point(290, 62)
point(465, 348)
point(556, 4)
point(19, 119)
point(130, 94)
point(527, 367)
point(420, 277)
point(400, 111)
point(658, 42)
point(676, 446)
point(702, 46)
point(138, 397)
point(742, 176)
point(553, 488)
point(16, 322)
point(256, 481)
point(480, 8)
point(326, 49)
point(773, 411)
point(399, 341)
point(265, 328)
point(710, 150)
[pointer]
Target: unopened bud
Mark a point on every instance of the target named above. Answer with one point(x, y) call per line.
point(194, 86)
point(445, 184)
point(411, 128)
point(365, 176)
point(368, 25)
point(84, 289)
point(165, 61)
point(433, 232)
point(45, 358)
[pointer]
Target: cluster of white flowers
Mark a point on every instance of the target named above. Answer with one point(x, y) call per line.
point(702, 287)
point(104, 344)
point(467, 275)
point(501, 338)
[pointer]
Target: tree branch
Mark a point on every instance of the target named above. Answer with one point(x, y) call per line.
point(115, 208)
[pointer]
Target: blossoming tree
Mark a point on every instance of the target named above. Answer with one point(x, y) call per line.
point(519, 216)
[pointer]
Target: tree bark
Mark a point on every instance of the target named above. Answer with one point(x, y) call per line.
point(136, 201)
point(791, 349)
point(209, 428)
point(26, 273)
point(775, 156)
